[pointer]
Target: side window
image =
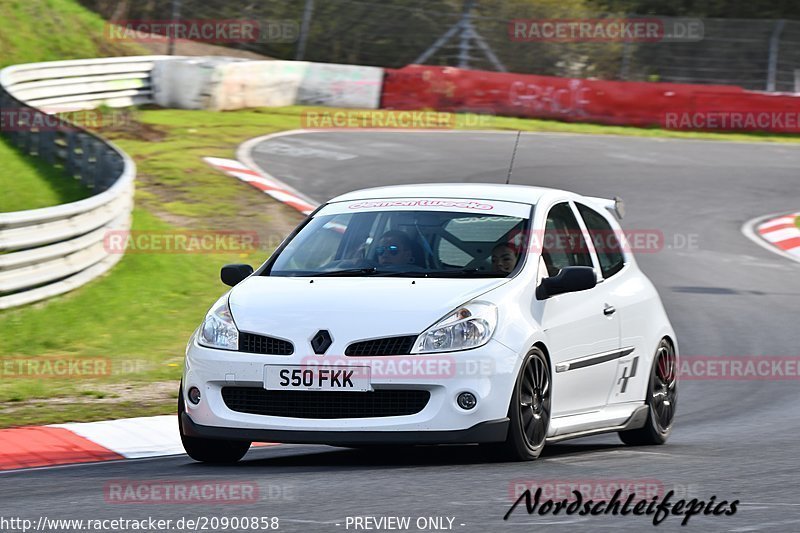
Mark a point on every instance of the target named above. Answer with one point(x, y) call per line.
point(563, 244)
point(604, 238)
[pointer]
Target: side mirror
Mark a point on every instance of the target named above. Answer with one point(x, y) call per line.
point(233, 274)
point(570, 279)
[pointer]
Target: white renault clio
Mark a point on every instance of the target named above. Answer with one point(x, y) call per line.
point(505, 315)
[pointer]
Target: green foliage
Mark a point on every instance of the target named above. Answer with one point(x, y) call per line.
point(49, 30)
point(395, 33)
point(568, 59)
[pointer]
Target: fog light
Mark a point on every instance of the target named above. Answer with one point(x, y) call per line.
point(194, 395)
point(467, 400)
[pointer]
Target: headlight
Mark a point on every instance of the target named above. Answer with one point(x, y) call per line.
point(469, 326)
point(218, 329)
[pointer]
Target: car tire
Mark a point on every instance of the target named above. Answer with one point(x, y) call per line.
point(661, 400)
point(209, 450)
point(529, 410)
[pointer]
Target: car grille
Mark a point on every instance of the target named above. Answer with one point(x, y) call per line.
point(325, 404)
point(250, 342)
point(385, 346)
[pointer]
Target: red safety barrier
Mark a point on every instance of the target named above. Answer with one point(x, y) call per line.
point(643, 104)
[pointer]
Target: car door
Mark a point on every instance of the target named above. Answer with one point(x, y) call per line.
point(582, 335)
point(624, 288)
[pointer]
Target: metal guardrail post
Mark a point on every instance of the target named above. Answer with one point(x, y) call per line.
point(25, 139)
point(86, 147)
point(176, 15)
point(104, 168)
point(305, 28)
point(774, 45)
point(69, 161)
point(46, 149)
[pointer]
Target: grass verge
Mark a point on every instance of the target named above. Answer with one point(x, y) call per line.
point(29, 183)
point(44, 30)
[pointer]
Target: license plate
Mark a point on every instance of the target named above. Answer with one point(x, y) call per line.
point(317, 378)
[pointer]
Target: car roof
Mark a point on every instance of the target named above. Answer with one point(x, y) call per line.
point(477, 191)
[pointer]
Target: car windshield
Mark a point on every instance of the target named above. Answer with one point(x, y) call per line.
point(406, 243)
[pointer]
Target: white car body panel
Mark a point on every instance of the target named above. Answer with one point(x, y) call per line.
point(298, 309)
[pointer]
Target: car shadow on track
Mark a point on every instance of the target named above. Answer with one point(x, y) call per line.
point(295, 456)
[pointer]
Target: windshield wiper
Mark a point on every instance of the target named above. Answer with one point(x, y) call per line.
point(455, 273)
point(463, 273)
point(346, 272)
point(374, 271)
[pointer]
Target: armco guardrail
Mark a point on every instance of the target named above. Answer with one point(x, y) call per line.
point(45, 252)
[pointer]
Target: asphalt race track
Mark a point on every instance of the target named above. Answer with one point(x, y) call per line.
point(725, 295)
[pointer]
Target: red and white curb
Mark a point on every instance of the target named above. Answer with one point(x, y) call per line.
point(777, 233)
point(279, 191)
point(90, 442)
point(60, 444)
point(783, 233)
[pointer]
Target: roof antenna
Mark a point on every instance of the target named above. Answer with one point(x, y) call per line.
point(513, 156)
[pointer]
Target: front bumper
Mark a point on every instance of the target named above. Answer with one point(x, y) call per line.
point(493, 431)
point(488, 372)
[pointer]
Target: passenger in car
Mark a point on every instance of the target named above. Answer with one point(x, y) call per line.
point(504, 258)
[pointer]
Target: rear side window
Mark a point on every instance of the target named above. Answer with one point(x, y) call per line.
point(605, 239)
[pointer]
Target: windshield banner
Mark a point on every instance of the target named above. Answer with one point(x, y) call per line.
point(459, 205)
